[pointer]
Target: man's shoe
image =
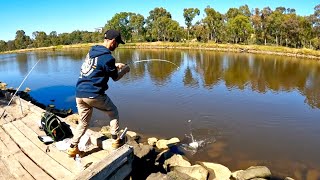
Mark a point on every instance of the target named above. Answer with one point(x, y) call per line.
point(72, 152)
point(117, 143)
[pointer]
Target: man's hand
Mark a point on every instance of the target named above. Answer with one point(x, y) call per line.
point(122, 70)
point(122, 67)
point(119, 65)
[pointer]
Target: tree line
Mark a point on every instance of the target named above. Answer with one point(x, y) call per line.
point(278, 27)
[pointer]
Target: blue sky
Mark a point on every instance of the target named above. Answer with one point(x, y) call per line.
point(69, 15)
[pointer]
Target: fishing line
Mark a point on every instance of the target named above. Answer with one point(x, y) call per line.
point(3, 114)
point(23, 82)
point(19, 88)
point(148, 60)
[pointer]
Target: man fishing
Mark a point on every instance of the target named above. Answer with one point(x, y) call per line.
point(98, 66)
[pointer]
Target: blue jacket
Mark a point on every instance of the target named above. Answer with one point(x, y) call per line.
point(98, 66)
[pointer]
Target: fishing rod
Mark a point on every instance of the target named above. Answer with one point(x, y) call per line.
point(148, 60)
point(19, 88)
point(23, 82)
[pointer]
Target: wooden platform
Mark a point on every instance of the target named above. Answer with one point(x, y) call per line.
point(24, 156)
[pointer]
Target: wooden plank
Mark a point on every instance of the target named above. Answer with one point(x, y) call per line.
point(27, 164)
point(12, 164)
point(4, 172)
point(59, 156)
point(52, 167)
point(107, 168)
point(31, 122)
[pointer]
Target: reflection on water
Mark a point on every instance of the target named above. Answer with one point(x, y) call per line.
point(256, 109)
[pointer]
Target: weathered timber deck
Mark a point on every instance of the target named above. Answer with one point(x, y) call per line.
point(24, 156)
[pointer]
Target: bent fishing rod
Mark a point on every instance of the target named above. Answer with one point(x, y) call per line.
point(148, 60)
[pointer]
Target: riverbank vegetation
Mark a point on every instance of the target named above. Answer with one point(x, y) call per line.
point(239, 28)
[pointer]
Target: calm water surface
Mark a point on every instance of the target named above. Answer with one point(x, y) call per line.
point(247, 109)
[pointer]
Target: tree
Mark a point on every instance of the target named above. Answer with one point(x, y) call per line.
point(40, 39)
point(257, 25)
point(239, 28)
point(174, 31)
point(137, 22)
point(201, 32)
point(245, 10)
point(290, 25)
point(273, 25)
point(265, 13)
point(232, 13)
point(120, 21)
point(21, 41)
point(189, 14)
point(3, 46)
point(153, 24)
point(214, 22)
point(54, 40)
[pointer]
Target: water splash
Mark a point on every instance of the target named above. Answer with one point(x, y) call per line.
point(194, 144)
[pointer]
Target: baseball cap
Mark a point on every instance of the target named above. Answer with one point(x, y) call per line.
point(113, 34)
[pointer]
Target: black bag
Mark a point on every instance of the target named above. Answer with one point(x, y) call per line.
point(54, 127)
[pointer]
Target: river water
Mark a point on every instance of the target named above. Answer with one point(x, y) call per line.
point(244, 109)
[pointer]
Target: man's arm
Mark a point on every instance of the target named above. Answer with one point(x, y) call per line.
point(122, 70)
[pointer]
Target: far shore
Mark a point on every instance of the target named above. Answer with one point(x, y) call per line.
point(257, 49)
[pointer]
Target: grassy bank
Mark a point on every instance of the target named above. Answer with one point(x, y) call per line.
point(261, 49)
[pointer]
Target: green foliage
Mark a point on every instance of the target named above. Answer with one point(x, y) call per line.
point(279, 27)
point(239, 29)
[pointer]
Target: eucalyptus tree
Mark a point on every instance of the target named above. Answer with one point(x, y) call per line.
point(305, 31)
point(21, 41)
point(120, 21)
point(174, 31)
point(244, 10)
point(257, 25)
point(3, 46)
point(75, 37)
point(40, 39)
point(154, 21)
point(239, 28)
point(232, 13)
point(11, 46)
point(290, 24)
point(274, 24)
point(265, 13)
point(137, 23)
point(54, 39)
point(189, 14)
point(214, 22)
point(201, 32)
point(65, 38)
point(316, 27)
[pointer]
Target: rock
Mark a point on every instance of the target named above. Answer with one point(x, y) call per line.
point(288, 178)
point(73, 118)
point(152, 141)
point(140, 150)
point(162, 144)
point(162, 156)
point(3, 86)
point(216, 171)
point(173, 141)
point(157, 176)
point(165, 144)
point(252, 172)
point(105, 130)
point(27, 90)
point(175, 160)
point(176, 175)
point(195, 171)
point(132, 134)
